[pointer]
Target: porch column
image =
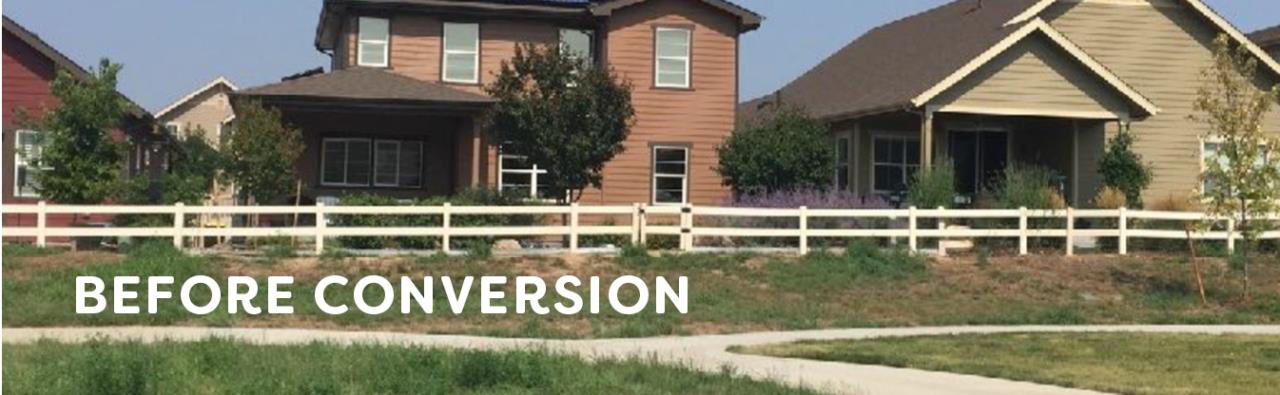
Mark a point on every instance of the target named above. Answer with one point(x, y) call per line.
point(926, 139)
point(477, 154)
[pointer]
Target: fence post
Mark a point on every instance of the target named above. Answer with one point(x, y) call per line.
point(942, 228)
point(445, 219)
point(1022, 231)
point(635, 223)
point(178, 222)
point(913, 243)
point(573, 228)
point(1071, 231)
point(686, 227)
point(1231, 235)
point(804, 230)
point(644, 223)
point(41, 222)
point(1124, 230)
point(321, 224)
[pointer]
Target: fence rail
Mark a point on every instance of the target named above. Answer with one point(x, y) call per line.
point(680, 221)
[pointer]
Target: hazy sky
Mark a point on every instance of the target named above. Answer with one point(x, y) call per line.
point(170, 47)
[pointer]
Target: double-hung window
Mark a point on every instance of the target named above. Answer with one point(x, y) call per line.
point(461, 53)
point(671, 60)
point(26, 156)
point(670, 174)
point(895, 163)
point(374, 47)
point(1210, 152)
point(577, 44)
point(382, 163)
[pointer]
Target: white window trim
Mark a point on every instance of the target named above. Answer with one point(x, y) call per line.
point(875, 140)
point(533, 171)
point(386, 44)
point(376, 158)
point(174, 127)
point(1204, 168)
point(475, 55)
point(19, 161)
point(346, 162)
point(684, 178)
point(687, 58)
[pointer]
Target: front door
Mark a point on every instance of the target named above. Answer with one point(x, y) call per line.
point(980, 158)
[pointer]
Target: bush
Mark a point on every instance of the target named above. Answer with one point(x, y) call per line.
point(1026, 186)
point(934, 187)
point(1123, 169)
point(1110, 198)
point(473, 197)
point(788, 151)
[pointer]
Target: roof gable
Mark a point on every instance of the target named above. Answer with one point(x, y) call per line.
point(218, 83)
point(747, 19)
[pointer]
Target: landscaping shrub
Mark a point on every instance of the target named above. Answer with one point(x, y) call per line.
point(474, 197)
point(1109, 198)
point(813, 199)
point(789, 150)
point(934, 187)
point(1027, 186)
point(1123, 169)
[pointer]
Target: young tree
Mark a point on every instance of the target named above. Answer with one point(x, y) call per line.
point(1243, 178)
point(786, 151)
point(260, 153)
point(561, 112)
point(193, 165)
point(1124, 170)
point(80, 163)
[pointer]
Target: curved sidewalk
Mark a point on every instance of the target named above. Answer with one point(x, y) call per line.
point(705, 353)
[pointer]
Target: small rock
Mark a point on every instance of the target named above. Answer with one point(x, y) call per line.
point(507, 245)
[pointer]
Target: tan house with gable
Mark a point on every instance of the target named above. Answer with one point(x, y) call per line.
point(400, 113)
point(207, 108)
point(989, 83)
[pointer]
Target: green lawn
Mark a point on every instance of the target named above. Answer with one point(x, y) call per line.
point(225, 367)
point(729, 293)
point(1120, 363)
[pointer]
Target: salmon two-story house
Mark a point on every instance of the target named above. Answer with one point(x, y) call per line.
point(402, 111)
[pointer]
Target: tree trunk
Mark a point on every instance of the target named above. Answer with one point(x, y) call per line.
point(1195, 267)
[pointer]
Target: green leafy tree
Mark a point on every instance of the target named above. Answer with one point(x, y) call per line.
point(193, 167)
point(563, 113)
point(934, 187)
point(80, 162)
point(260, 153)
point(1244, 178)
point(786, 151)
point(1123, 169)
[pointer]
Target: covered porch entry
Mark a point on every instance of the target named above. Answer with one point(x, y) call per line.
point(371, 131)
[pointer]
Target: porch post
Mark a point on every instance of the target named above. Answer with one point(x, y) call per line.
point(477, 154)
point(926, 139)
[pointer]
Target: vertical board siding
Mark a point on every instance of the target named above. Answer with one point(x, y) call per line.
point(1035, 75)
point(1160, 48)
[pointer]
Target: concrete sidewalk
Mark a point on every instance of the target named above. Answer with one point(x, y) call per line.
point(705, 353)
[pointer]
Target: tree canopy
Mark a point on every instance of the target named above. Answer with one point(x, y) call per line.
point(80, 162)
point(261, 151)
point(789, 150)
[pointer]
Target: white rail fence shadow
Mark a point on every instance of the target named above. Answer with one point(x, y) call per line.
point(915, 226)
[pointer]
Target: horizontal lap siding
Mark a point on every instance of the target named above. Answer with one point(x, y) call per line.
point(205, 112)
point(701, 117)
point(1033, 75)
point(1160, 49)
point(27, 74)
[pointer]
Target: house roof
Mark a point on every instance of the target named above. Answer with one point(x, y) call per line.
point(366, 85)
point(61, 60)
point(326, 29)
point(902, 64)
point(220, 82)
point(1266, 37)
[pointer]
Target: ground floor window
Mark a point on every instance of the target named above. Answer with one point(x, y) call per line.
point(361, 162)
point(518, 176)
point(1211, 151)
point(895, 163)
point(844, 163)
point(26, 155)
point(670, 174)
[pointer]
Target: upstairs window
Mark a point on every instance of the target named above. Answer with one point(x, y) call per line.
point(375, 34)
point(461, 53)
point(26, 155)
point(671, 63)
point(577, 43)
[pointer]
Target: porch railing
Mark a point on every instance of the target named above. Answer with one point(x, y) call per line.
point(688, 223)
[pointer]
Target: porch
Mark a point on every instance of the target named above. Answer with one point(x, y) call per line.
point(879, 154)
point(370, 131)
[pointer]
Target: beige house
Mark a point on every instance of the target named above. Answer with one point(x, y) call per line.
point(207, 112)
point(1047, 82)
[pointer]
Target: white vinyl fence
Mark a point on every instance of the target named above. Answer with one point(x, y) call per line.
point(646, 221)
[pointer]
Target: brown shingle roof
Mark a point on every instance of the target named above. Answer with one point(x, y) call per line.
point(1266, 37)
point(366, 84)
point(890, 65)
